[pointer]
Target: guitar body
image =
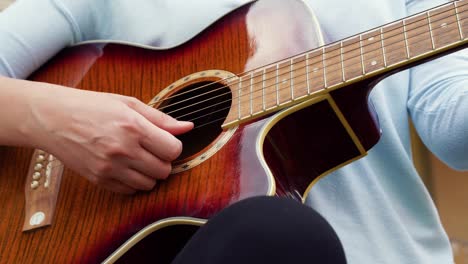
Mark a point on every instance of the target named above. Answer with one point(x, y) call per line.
point(281, 154)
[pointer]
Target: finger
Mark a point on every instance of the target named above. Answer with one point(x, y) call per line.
point(118, 187)
point(161, 119)
point(135, 179)
point(150, 165)
point(159, 142)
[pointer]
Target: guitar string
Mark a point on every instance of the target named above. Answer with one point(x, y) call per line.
point(289, 88)
point(228, 107)
point(201, 125)
point(214, 121)
point(332, 44)
point(388, 53)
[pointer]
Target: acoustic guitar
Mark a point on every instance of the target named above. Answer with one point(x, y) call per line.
point(246, 82)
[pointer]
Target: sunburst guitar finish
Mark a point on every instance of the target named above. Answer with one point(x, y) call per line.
point(280, 147)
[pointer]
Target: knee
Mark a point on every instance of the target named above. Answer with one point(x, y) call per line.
point(273, 225)
point(265, 229)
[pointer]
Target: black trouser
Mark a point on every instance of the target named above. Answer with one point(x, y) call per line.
point(264, 230)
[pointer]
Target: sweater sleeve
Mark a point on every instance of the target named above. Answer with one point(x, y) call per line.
point(31, 32)
point(438, 102)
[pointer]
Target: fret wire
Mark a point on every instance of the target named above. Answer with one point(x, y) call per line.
point(454, 42)
point(342, 61)
point(307, 73)
point(228, 78)
point(441, 34)
point(292, 79)
point(383, 47)
point(458, 41)
point(458, 20)
point(444, 33)
point(362, 55)
point(263, 89)
point(239, 98)
point(395, 35)
point(324, 69)
point(430, 29)
point(406, 39)
point(251, 93)
point(277, 79)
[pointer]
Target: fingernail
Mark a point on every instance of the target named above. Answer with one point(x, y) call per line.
point(184, 122)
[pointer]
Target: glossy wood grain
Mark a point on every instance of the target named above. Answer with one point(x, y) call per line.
point(289, 150)
point(90, 223)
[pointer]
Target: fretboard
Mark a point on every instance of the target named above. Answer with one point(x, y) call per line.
point(359, 57)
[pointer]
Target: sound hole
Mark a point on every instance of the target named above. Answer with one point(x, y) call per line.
point(206, 104)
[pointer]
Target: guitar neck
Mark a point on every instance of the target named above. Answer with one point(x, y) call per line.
point(393, 46)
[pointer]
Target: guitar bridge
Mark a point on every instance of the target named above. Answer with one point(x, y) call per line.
point(41, 190)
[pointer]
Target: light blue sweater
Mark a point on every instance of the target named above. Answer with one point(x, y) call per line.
point(378, 205)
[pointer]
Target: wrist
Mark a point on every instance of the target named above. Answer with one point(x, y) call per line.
point(19, 127)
